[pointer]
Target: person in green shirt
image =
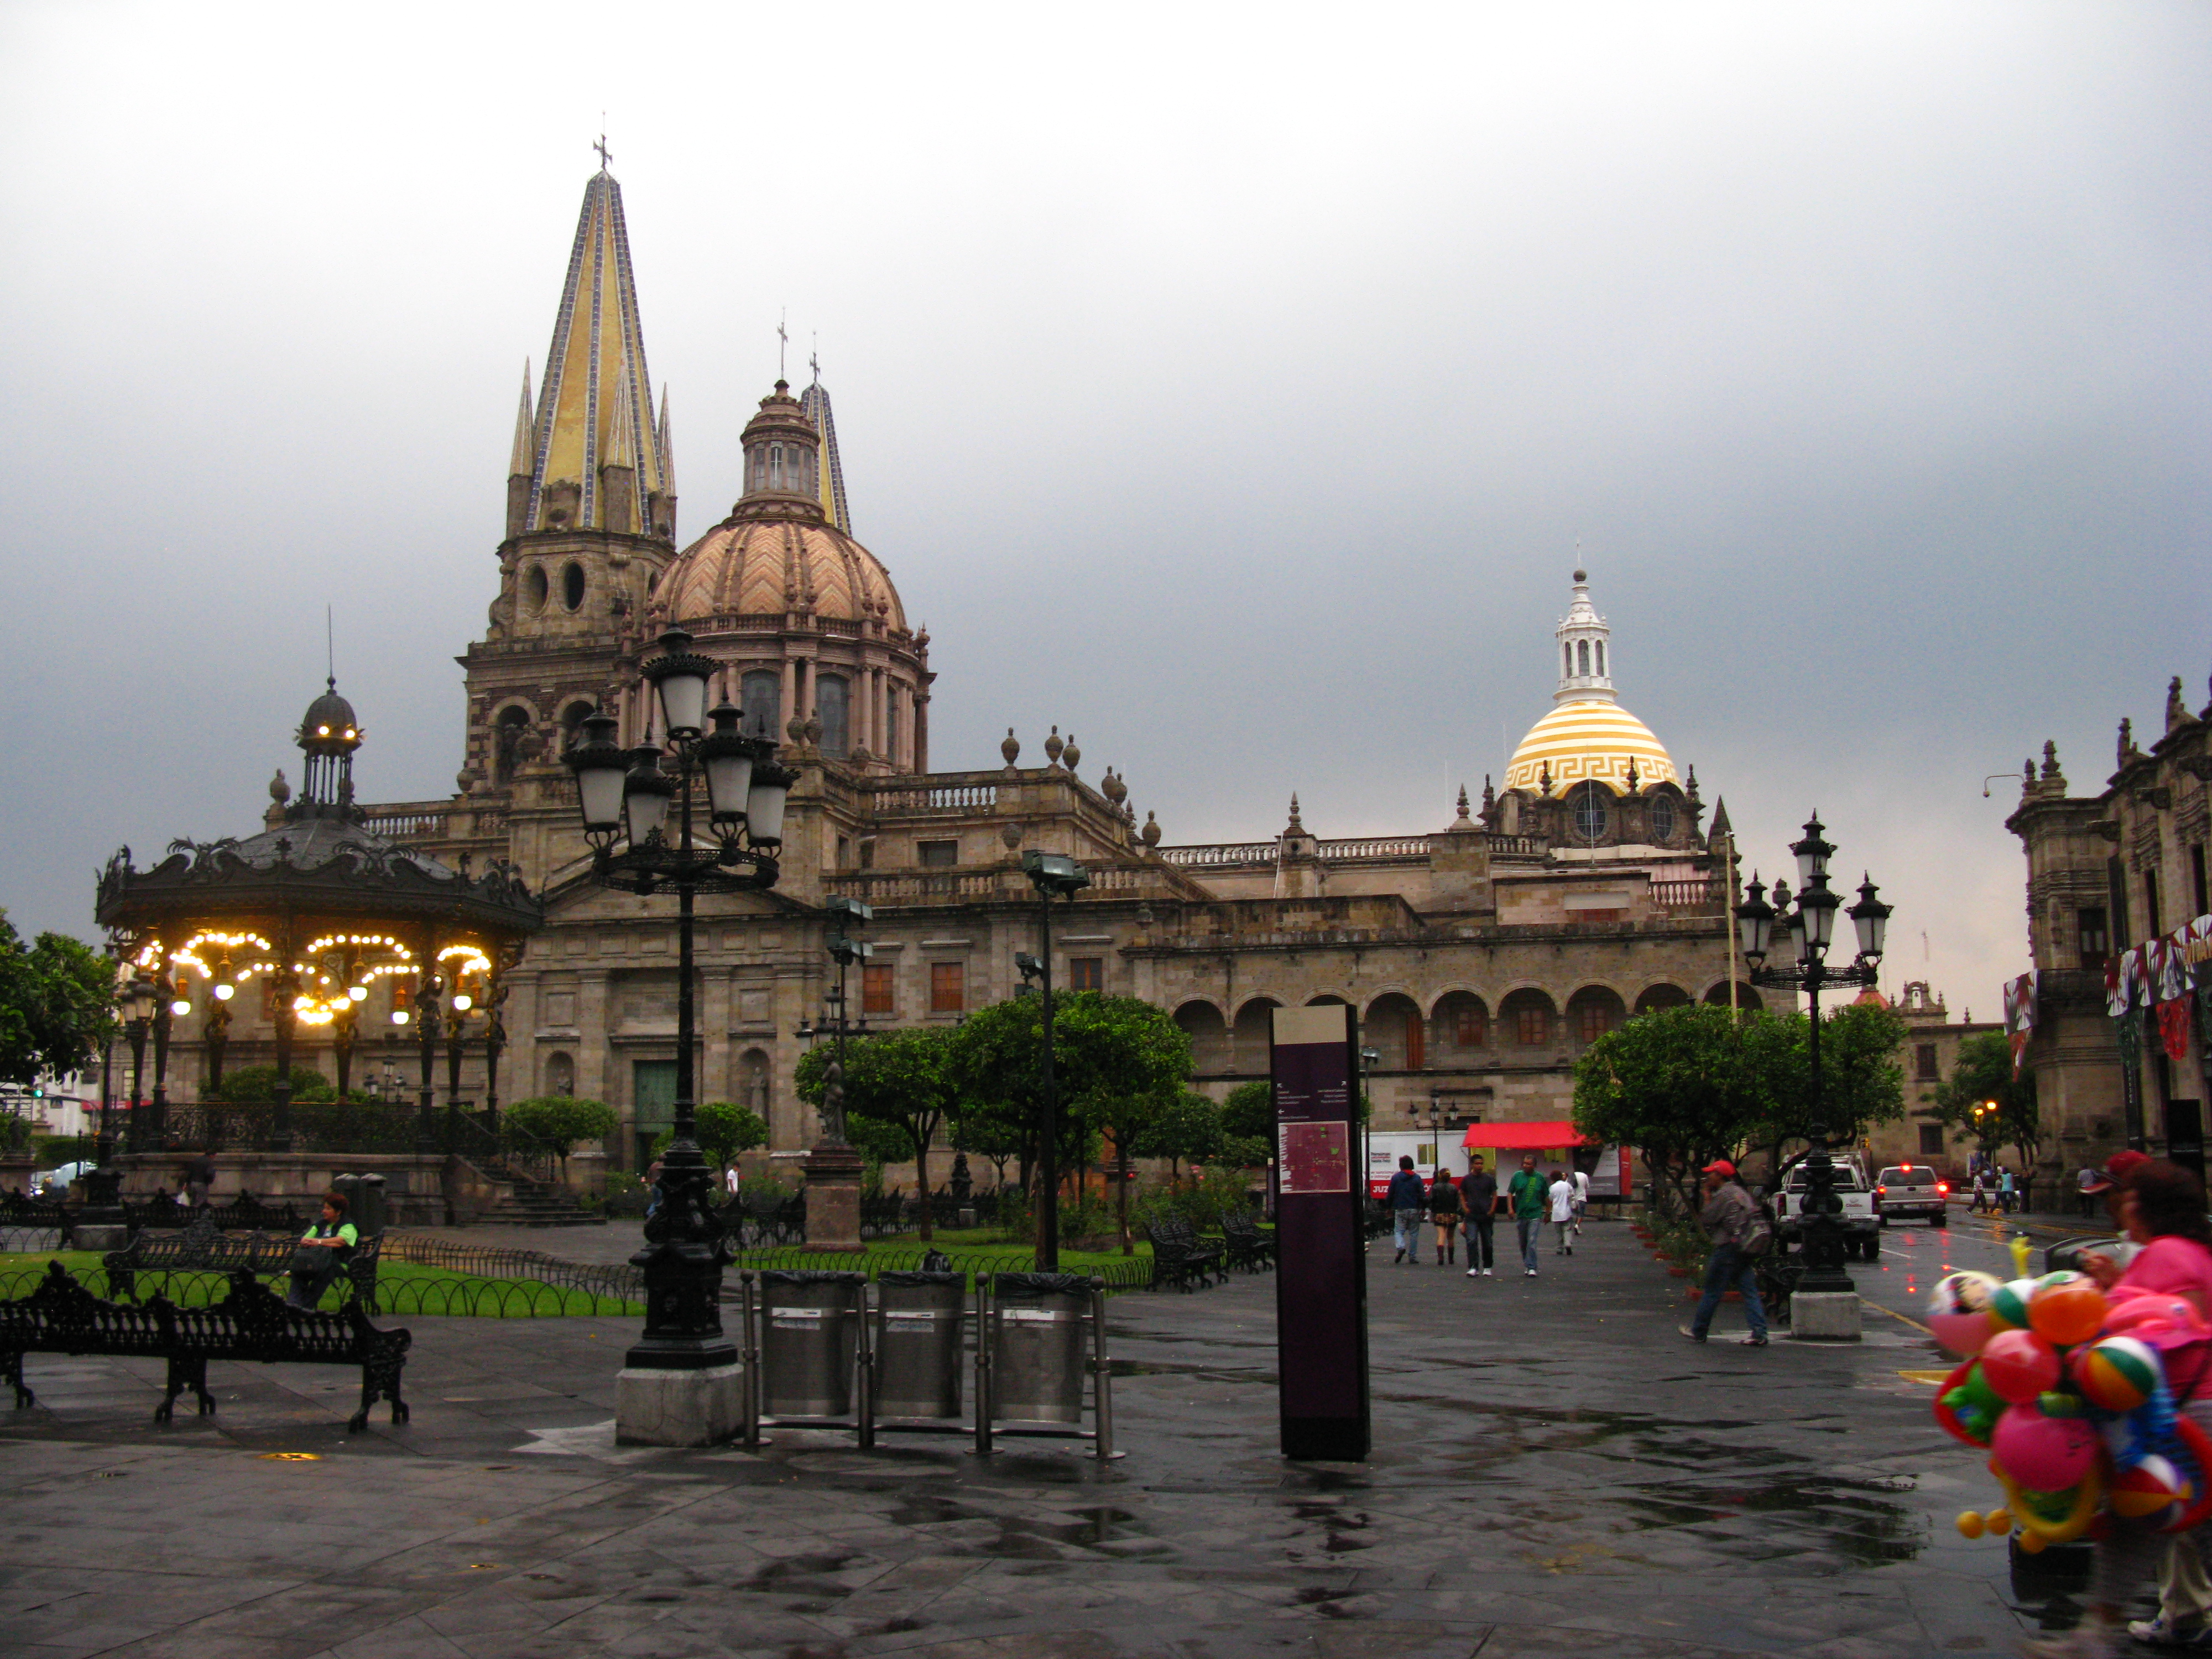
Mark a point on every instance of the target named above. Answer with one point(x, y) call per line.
point(332, 1238)
point(1525, 1193)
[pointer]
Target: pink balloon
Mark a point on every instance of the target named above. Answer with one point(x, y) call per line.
point(1963, 1333)
point(2044, 1453)
point(2018, 1365)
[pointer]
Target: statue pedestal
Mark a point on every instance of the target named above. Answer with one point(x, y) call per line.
point(833, 1198)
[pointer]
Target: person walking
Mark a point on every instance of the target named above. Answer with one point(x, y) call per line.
point(1527, 1193)
point(1561, 1196)
point(2004, 1191)
point(1582, 1200)
point(1445, 1210)
point(1478, 1196)
point(1727, 1215)
point(1981, 1191)
point(1405, 1198)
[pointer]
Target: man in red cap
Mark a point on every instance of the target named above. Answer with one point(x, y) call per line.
point(1727, 1217)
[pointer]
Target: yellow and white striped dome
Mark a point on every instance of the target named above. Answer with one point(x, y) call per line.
point(1589, 739)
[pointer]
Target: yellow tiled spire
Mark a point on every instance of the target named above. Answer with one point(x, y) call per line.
point(594, 408)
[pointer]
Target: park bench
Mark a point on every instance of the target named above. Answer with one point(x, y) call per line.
point(203, 1247)
point(251, 1323)
point(1179, 1255)
point(1247, 1246)
point(21, 1209)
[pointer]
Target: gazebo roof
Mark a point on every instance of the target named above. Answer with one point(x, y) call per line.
point(320, 864)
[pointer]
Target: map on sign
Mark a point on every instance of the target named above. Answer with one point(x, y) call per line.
point(1316, 1157)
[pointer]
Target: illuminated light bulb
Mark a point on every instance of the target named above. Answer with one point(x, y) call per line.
point(358, 993)
point(181, 1007)
point(398, 1015)
point(300, 1005)
point(223, 992)
point(463, 1002)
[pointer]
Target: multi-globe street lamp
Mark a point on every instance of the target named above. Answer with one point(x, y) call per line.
point(625, 796)
point(1811, 926)
point(1051, 874)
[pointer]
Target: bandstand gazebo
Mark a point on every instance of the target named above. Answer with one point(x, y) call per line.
point(309, 931)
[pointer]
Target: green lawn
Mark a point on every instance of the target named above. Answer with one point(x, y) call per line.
point(402, 1289)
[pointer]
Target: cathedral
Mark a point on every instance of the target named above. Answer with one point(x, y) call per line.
point(1483, 955)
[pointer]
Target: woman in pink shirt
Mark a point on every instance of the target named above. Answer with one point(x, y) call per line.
point(2162, 1208)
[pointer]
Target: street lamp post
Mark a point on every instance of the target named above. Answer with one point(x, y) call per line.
point(102, 1219)
point(624, 798)
point(1811, 926)
point(1050, 873)
point(834, 1167)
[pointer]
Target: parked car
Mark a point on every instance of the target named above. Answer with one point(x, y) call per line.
point(1912, 1192)
point(1862, 1224)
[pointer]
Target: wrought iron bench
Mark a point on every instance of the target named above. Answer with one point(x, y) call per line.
point(251, 1323)
point(203, 1247)
point(1179, 1256)
point(1246, 1245)
point(19, 1209)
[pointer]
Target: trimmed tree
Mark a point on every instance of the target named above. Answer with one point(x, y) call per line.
point(898, 1092)
point(1984, 1076)
point(560, 1121)
point(56, 1004)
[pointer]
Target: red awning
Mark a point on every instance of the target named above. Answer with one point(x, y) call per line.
point(1540, 1136)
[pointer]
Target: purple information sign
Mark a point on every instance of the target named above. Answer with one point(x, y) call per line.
point(1321, 1278)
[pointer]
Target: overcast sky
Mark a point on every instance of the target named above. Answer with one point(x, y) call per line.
point(1232, 385)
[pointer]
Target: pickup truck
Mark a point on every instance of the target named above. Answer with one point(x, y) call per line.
point(1862, 1223)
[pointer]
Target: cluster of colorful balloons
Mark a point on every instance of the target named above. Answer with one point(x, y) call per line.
point(2067, 1389)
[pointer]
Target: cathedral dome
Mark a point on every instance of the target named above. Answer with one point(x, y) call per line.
point(771, 567)
point(782, 549)
point(1589, 735)
point(1579, 740)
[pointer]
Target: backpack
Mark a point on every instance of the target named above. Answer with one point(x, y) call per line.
point(1758, 1236)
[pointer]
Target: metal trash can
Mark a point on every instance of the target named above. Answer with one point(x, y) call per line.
point(364, 1197)
point(810, 1332)
point(1040, 1323)
point(919, 1320)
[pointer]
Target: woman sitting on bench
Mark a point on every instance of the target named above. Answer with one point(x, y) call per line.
point(322, 1253)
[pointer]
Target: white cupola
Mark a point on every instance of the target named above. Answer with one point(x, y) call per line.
point(1585, 670)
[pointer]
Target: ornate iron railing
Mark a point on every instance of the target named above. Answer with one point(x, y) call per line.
point(316, 1126)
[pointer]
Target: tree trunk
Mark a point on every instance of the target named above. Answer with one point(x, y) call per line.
point(921, 1172)
point(1121, 1196)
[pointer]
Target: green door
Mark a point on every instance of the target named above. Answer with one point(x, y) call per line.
point(653, 1095)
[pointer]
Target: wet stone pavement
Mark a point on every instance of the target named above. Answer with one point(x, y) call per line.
point(1556, 1472)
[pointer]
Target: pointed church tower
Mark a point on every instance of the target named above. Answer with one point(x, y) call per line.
point(598, 398)
point(591, 515)
point(814, 404)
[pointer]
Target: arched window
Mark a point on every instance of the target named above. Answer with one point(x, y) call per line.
point(1601, 658)
point(572, 722)
point(536, 587)
point(571, 586)
point(1581, 656)
point(760, 694)
point(1566, 659)
point(1590, 812)
point(775, 466)
point(1662, 818)
point(830, 706)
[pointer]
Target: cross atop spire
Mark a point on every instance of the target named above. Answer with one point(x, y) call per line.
point(605, 156)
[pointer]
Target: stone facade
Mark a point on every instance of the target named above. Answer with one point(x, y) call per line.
point(2106, 873)
point(1484, 955)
